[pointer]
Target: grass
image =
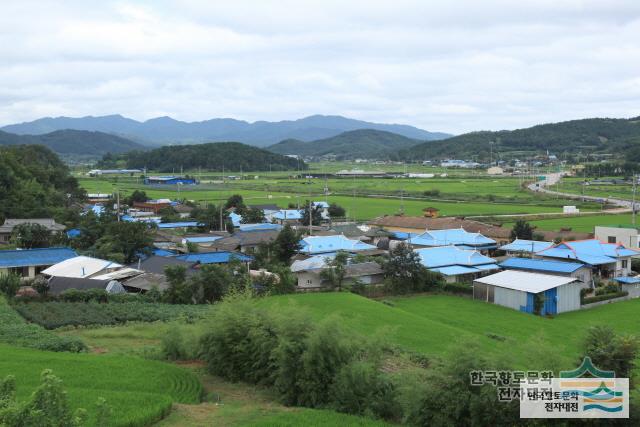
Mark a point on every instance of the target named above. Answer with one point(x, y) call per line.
point(584, 224)
point(140, 391)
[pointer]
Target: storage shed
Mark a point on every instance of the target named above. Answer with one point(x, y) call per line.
point(520, 290)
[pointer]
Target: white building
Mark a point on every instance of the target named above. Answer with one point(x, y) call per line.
point(628, 236)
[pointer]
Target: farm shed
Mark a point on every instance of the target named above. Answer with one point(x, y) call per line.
point(581, 272)
point(519, 290)
point(169, 180)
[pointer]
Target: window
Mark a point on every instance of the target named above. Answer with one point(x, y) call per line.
point(309, 282)
point(611, 239)
point(624, 263)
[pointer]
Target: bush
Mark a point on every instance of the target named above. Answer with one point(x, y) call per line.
point(604, 297)
point(9, 284)
point(54, 314)
point(458, 288)
point(15, 331)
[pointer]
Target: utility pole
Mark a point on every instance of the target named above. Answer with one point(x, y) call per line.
point(310, 219)
point(118, 203)
point(633, 203)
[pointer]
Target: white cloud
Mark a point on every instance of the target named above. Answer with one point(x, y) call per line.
point(452, 66)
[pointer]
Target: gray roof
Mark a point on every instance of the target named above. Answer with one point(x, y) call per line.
point(49, 223)
point(147, 281)
point(156, 264)
point(57, 285)
point(363, 269)
point(245, 238)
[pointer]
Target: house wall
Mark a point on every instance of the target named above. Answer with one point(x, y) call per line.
point(634, 289)
point(24, 272)
point(510, 298)
point(568, 297)
point(626, 236)
point(309, 280)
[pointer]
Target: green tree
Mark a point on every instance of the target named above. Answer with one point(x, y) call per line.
point(126, 240)
point(235, 201)
point(252, 216)
point(522, 230)
point(168, 214)
point(287, 244)
point(9, 284)
point(336, 211)
point(336, 270)
point(610, 351)
point(178, 291)
point(139, 196)
point(31, 235)
point(404, 272)
point(212, 218)
point(213, 281)
point(315, 212)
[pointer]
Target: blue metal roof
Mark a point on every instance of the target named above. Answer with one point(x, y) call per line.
point(178, 224)
point(73, 233)
point(285, 214)
point(626, 280)
point(163, 252)
point(260, 227)
point(221, 257)
point(453, 236)
point(442, 256)
point(324, 244)
point(202, 239)
point(235, 219)
point(401, 235)
point(455, 270)
point(590, 251)
point(541, 265)
point(32, 257)
point(522, 245)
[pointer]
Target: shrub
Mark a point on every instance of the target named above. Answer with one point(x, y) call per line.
point(9, 284)
point(604, 297)
point(458, 288)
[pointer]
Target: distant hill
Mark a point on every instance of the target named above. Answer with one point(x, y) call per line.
point(218, 156)
point(365, 143)
point(74, 142)
point(592, 136)
point(165, 130)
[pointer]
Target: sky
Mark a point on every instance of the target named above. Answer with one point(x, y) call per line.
point(452, 66)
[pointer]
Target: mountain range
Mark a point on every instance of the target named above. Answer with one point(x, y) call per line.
point(362, 143)
point(165, 130)
point(74, 142)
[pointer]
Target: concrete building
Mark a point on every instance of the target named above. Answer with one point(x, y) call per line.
point(522, 291)
point(623, 235)
point(580, 271)
point(28, 263)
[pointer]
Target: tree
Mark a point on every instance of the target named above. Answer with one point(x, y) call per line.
point(336, 269)
point(212, 282)
point(31, 235)
point(252, 216)
point(611, 352)
point(210, 218)
point(522, 230)
point(126, 240)
point(336, 211)
point(234, 201)
point(137, 196)
point(168, 214)
point(405, 273)
point(178, 292)
point(9, 284)
point(315, 211)
point(287, 244)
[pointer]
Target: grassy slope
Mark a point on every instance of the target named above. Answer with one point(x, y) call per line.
point(432, 324)
point(584, 224)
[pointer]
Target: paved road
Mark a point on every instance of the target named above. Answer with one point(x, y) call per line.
point(553, 178)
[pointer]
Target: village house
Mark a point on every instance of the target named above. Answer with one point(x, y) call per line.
point(523, 246)
point(456, 237)
point(245, 241)
point(628, 236)
point(526, 291)
point(6, 229)
point(314, 245)
point(579, 271)
point(608, 260)
point(28, 263)
point(456, 264)
point(309, 272)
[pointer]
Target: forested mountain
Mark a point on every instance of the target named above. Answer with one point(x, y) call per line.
point(572, 138)
point(230, 156)
point(34, 183)
point(165, 130)
point(365, 143)
point(74, 142)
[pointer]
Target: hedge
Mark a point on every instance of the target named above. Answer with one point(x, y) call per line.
point(605, 297)
point(458, 288)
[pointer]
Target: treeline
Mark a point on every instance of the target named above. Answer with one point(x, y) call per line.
point(615, 136)
point(230, 156)
point(34, 183)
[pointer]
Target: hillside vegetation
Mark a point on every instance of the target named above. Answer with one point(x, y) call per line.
point(74, 142)
point(364, 143)
point(213, 157)
point(612, 136)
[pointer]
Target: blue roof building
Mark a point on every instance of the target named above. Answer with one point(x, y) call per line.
point(169, 180)
point(73, 233)
point(526, 246)
point(235, 219)
point(542, 265)
point(313, 245)
point(185, 224)
point(454, 236)
point(29, 262)
point(608, 259)
point(260, 227)
point(288, 215)
point(201, 239)
point(456, 264)
point(220, 257)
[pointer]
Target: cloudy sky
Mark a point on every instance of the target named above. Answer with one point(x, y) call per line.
point(450, 66)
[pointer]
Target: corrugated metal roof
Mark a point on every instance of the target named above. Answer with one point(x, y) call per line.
point(322, 244)
point(262, 226)
point(220, 257)
point(286, 214)
point(525, 281)
point(202, 239)
point(522, 245)
point(80, 266)
point(454, 236)
point(591, 251)
point(451, 255)
point(178, 224)
point(626, 280)
point(454, 270)
point(33, 257)
point(541, 265)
